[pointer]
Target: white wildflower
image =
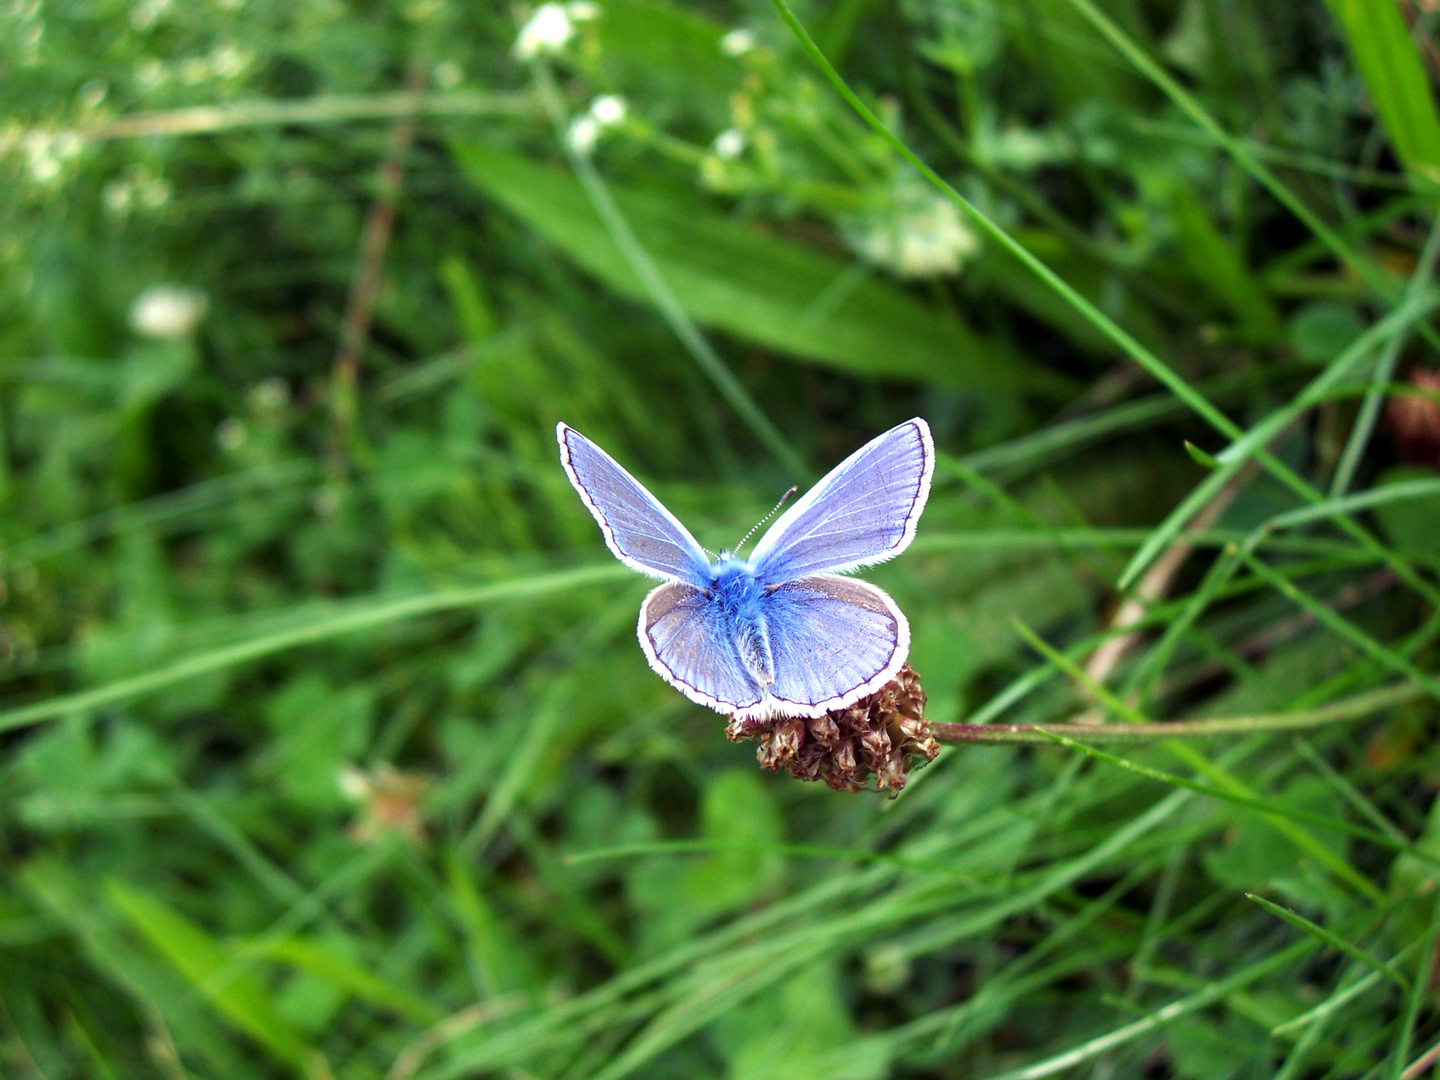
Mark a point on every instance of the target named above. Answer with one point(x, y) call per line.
point(46, 151)
point(118, 196)
point(582, 10)
point(608, 109)
point(584, 133)
point(924, 239)
point(228, 60)
point(269, 394)
point(65, 144)
point(729, 144)
point(151, 73)
point(547, 32)
point(231, 434)
point(152, 191)
point(737, 43)
point(145, 14)
point(167, 312)
point(44, 167)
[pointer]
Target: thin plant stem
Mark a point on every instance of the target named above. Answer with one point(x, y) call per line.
point(309, 112)
point(706, 358)
point(1352, 708)
point(1369, 413)
point(365, 285)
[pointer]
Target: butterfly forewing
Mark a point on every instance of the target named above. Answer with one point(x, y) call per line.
point(638, 530)
point(864, 511)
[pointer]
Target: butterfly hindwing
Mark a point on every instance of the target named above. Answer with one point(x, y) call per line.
point(638, 529)
point(864, 511)
point(834, 640)
point(691, 646)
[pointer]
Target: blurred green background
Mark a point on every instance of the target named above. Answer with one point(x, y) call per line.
point(326, 746)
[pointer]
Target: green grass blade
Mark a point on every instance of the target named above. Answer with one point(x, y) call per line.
point(1396, 79)
point(243, 1001)
point(1188, 104)
point(1344, 628)
point(660, 294)
point(1261, 806)
point(1416, 999)
point(1239, 453)
point(1169, 378)
point(363, 616)
point(1333, 940)
point(1369, 413)
point(324, 962)
point(1159, 1018)
point(1151, 363)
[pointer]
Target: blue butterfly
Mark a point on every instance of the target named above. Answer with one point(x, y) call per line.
point(779, 634)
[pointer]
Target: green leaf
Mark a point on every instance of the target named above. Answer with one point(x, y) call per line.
point(1200, 457)
point(762, 287)
point(660, 49)
point(1410, 524)
point(800, 1030)
point(332, 967)
point(739, 815)
point(1385, 56)
point(1218, 267)
point(1321, 331)
point(235, 992)
point(477, 322)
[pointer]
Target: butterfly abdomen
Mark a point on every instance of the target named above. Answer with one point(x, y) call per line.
point(740, 602)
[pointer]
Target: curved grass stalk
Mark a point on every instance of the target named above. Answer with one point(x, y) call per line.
point(1146, 65)
point(364, 617)
point(664, 300)
point(1132, 348)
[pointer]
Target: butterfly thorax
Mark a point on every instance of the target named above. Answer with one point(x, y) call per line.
point(739, 598)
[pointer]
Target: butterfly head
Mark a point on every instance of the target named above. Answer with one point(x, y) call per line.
point(728, 567)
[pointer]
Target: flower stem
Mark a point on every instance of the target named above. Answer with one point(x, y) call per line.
point(1353, 708)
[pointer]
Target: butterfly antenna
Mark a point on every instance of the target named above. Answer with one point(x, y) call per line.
point(766, 518)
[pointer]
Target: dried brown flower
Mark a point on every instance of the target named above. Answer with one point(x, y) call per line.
point(389, 802)
point(881, 735)
point(1415, 420)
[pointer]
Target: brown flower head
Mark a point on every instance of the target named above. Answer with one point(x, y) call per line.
point(1415, 419)
point(881, 735)
point(389, 802)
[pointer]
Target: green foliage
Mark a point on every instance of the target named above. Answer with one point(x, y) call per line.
point(1397, 82)
point(326, 748)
